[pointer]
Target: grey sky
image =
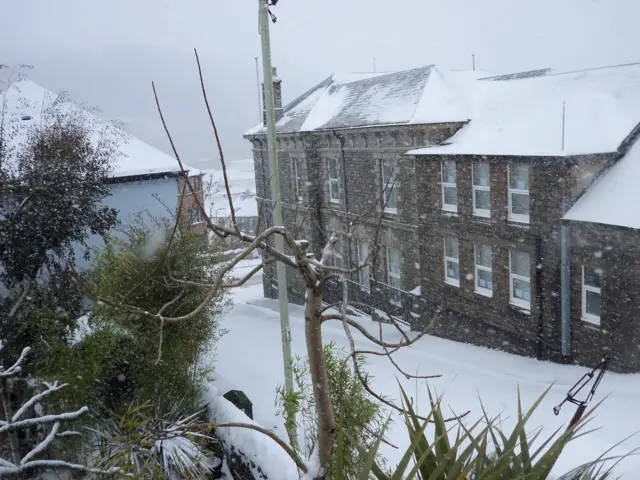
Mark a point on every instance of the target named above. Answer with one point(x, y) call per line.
point(106, 53)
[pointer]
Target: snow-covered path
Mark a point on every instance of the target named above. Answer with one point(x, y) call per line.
point(250, 357)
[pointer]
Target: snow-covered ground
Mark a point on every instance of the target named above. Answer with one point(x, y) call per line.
point(250, 357)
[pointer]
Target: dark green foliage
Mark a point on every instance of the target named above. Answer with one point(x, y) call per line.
point(359, 416)
point(481, 450)
point(51, 189)
point(120, 361)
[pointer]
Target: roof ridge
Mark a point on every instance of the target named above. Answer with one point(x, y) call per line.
point(591, 69)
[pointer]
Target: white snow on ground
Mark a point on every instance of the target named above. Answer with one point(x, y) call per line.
point(250, 357)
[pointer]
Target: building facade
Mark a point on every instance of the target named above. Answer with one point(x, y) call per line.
point(460, 182)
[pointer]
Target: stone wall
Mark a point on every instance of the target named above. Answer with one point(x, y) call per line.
point(190, 201)
point(307, 205)
point(473, 317)
point(617, 252)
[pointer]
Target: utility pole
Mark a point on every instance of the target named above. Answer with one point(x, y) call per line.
point(258, 90)
point(274, 169)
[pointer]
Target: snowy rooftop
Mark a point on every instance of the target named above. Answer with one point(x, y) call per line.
point(28, 104)
point(525, 116)
point(421, 95)
point(242, 184)
point(612, 199)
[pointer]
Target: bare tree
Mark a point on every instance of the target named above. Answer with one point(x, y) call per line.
point(15, 421)
point(315, 273)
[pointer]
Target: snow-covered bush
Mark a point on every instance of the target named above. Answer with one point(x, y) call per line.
point(153, 443)
point(30, 415)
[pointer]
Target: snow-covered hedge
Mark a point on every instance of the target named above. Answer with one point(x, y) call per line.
point(264, 458)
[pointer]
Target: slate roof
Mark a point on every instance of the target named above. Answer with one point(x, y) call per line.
point(613, 199)
point(27, 104)
point(421, 95)
point(549, 115)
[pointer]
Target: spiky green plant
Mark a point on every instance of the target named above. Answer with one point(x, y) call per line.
point(482, 451)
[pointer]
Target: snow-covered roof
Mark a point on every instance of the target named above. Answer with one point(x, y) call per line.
point(614, 197)
point(27, 104)
point(242, 184)
point(421, 95)
point(525, 116)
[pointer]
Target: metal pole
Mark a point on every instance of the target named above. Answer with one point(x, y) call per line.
point(277, 211)
point(258, 90)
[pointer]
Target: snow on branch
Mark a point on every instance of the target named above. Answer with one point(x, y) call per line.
point(16, 367)
point(17, 421)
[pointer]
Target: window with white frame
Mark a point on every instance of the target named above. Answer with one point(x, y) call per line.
point(393, 275)
point(196, 183)
point(195, 216)
point(364, 274)
point(340, 250)
point(334, 181)
point(591, 284)
point(297, 173)
point(481, 189)
point(449, 186)
point(484, 274)
point(451, 261)
point(520, 279)
point(519, 192)
point(389, 179)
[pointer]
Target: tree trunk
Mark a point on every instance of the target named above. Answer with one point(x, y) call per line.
point(319, 380)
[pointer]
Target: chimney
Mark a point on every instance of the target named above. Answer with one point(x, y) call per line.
point(277, 97)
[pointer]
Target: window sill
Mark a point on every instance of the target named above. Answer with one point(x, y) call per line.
point(520, 220)
point(453, 283)
point(334, 202)
point(391, 211)
point(449, 209)
point(484, 293)
point(592, 322)
point(482, 214)
point(521, 306)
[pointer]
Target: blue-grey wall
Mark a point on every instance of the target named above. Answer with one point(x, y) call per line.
point(157, 197)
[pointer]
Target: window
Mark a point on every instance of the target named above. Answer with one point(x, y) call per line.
point(334, 181)
point(196, 184)
point(519, 279)
point(449, 187)
point(451, 261)
point(389, 185)
point(519, 193)
point(591, 282)
point(484, 276)
point(393, 275)
point(481, 190)
point(297, 173)
point(364, 274)
point(340, 252)
point(195, 216)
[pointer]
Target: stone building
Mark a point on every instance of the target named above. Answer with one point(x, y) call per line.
point(483, 168)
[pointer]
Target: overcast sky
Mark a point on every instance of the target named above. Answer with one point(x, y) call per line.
point(105, 54)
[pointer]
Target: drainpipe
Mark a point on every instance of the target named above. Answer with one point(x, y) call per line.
point(540, 300)
point(264, 209)
point(565, 290)
point(345, 191)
